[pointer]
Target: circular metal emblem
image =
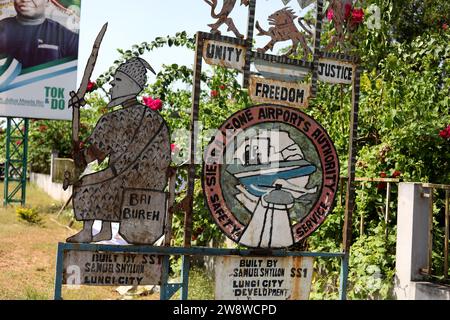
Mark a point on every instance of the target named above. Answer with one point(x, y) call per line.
point(270, 176)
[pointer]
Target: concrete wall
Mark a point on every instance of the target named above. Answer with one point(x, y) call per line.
point(412, 246)
point(54, 190)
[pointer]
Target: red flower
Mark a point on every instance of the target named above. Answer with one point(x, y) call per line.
point(383, 174)
point(357, 16)
point(445, 26)
point(214, 93)
point(91, 86)
point(330, 14)
point(173, 147)
point(147, 101)
point(155, 105)
point(81, 144)
point(396, 174)
point(18, 142)
point(222, 87)
point(445, 134)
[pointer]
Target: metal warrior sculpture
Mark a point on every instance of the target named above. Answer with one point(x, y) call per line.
point(223, 16)
point(136, 140)
point(283, 29)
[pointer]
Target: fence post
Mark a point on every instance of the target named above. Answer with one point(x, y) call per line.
point(412, 237)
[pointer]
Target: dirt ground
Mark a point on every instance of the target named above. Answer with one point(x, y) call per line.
point(28, 253)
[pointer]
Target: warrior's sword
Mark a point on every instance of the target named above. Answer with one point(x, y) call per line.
point(77, 101)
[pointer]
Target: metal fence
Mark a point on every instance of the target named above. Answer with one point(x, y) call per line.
point(437, 269)
point(389, 182)
point(437, 220)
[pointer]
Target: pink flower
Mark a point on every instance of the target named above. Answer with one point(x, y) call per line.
point(155, 105)
point(357, 16)
point(330, 14)
point(445, 26)
point(173, 147)
point(91, 86)
point(147, 101)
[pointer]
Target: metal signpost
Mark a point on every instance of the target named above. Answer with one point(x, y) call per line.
point(270, 174)
point(16, 161)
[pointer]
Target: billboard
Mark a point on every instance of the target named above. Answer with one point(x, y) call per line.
point(38, 57)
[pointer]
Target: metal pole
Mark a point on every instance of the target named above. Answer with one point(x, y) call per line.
point(430, 230)
point(25, 160)
point(193, 148)
point(249, 41)
point(59, 272)
point(386, 215)
point(343, 278)
point(447, 231)
point(350, 194)
point(7, 162)
point(185, 277)
point(163, 295)
point(317, 53)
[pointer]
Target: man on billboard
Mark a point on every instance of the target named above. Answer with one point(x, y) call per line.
point(32, 38)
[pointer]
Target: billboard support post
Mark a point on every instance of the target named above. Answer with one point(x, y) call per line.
point(16, 161)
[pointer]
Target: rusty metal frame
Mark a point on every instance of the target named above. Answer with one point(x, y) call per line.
point(317, 53)
point(350, 192)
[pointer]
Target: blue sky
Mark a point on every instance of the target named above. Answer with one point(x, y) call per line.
point(134, 21)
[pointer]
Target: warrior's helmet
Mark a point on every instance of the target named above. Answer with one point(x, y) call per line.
point(136, 69)
point(130, 79)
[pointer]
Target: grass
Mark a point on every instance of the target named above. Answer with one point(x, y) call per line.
point(200, 287)
point(28, 256)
